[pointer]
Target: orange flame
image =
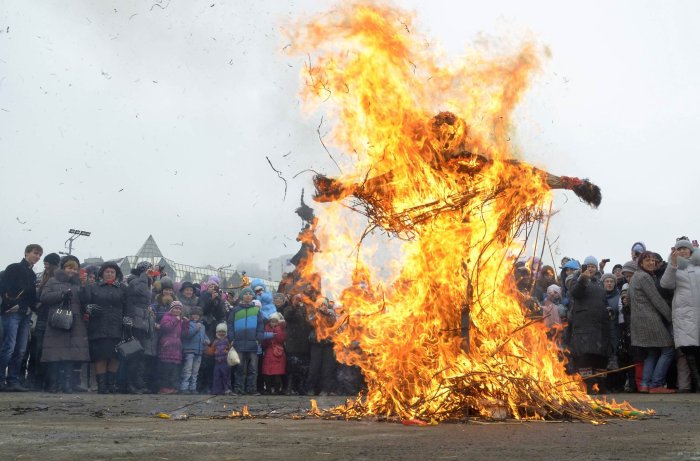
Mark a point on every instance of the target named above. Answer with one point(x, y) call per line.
point(382, 84)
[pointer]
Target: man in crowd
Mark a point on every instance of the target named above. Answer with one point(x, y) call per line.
point(18, 292)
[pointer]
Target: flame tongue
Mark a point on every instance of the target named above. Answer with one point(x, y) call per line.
point(459, 214)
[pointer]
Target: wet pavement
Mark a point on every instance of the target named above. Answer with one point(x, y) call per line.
point(90, 426)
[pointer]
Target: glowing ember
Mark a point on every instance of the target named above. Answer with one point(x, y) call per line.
point(458, 216)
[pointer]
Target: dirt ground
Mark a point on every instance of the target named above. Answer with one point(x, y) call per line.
point(89, 426)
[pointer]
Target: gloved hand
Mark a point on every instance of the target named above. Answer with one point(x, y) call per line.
point(66, 296)
point(127, 321)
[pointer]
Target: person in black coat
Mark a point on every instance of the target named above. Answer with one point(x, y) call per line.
point(213, 313)
point(18, 292)
point(105, 302)
point(141, 318)
point(589, 320)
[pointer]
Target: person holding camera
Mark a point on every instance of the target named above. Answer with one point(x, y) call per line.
point(64, 346)
point(589, 322)
point(18, 300)
point(213, 313)
point(105, 303)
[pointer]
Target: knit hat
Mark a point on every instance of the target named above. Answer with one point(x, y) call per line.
point(629, 266)
point(590, 260)
point(277, 316)
point(639, 247)
point(247, 291)
point(186, 285)
point(554, 289)
point(684, 244)
point(53, 259)
point(175, 304)
point(166, 283)
point(573, 264)
point(214, 280)
point(222, 327)
point(142, 267)
point(608, 276)
point(196, 310)
point(617, 266)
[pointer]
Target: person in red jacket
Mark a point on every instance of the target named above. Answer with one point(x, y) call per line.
point(274, 362)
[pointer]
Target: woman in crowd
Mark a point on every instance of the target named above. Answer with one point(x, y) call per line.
point(650, 326)
point(63, 347)
point(140, 317)
point(321, 377)
point(105, 303)
point(296, 345)
point(589, 322)
point(683, 276)
point(188, 298)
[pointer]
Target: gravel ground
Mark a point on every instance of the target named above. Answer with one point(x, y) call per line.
point(89, 426)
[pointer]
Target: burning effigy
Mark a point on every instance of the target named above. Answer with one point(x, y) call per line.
point(425, 156)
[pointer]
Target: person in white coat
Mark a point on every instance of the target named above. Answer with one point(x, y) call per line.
point(683, 276)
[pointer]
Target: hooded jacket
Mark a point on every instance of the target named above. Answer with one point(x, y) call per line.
point(685, 280)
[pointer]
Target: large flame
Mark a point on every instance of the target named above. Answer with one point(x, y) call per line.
point(446, 335)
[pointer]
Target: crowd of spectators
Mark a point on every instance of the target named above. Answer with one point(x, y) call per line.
point(633, 329)
point(143, 333)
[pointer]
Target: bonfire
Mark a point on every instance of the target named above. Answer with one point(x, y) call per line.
point(424, 153)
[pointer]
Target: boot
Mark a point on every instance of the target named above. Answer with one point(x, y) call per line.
point(52, 374)
point(75, 381)
point(101, 383)
point(66, 377)
point(111, 382)
point(136, 371)
point(694, 372)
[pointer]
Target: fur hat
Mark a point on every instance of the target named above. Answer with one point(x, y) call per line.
point(196, 310)
point(277, 316)
point(186, 285)
point(222, 327)
point(175, 304)
point(608, 276)
point(684, 244)
point(590, 260)
point(52, 259)
point(110, 265)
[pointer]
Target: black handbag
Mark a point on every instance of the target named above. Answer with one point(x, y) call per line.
point(128, 346)
point(61, 318)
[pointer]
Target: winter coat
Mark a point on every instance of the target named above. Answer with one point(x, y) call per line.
point(268, 307)
point(298, 330)
point(590, 332)
point(245, 327)
point(221, 348)
point(685, 280)
point(274, 360)
point(138, 300)
point(188, 304)
point(195, 339)
point(170, 338)
point(18, 287)
point(650, 320)
point(213, 312)
point(64, 345)
point(110, 306)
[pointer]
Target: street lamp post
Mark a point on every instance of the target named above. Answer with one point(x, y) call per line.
point(76, 233)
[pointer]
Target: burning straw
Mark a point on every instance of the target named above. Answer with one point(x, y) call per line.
point(445, 338)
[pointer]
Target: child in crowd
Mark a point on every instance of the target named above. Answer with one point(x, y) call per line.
point(170, 348)
point(274, 362)
point(193, 344)
point(222, 375)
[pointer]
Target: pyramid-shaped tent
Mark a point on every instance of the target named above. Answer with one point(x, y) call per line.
point(149, 249)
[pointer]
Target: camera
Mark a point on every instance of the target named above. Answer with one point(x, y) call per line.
point(605, 261)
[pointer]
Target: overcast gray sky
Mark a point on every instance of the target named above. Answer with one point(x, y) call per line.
point(134, 118)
